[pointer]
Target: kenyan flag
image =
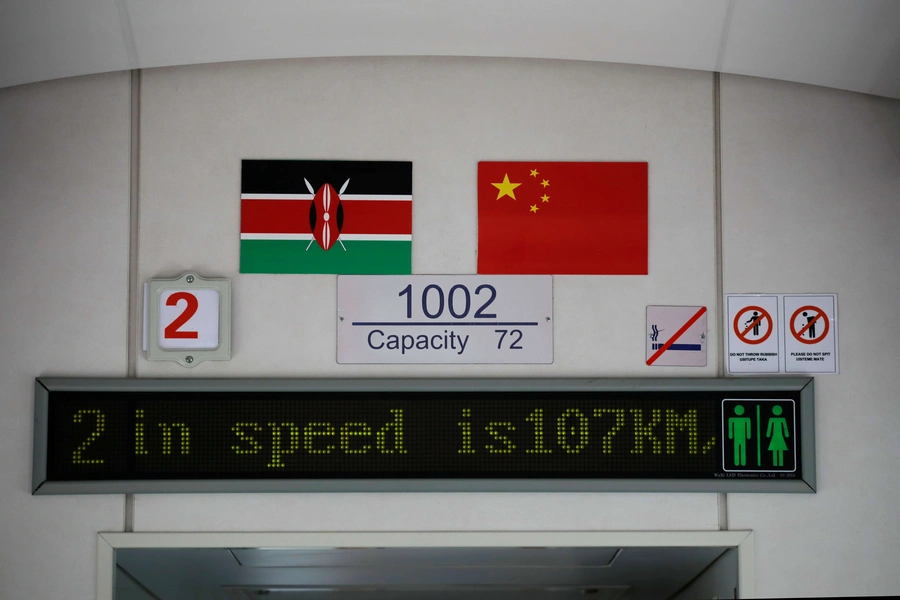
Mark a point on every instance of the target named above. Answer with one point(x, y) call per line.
point(323, 216)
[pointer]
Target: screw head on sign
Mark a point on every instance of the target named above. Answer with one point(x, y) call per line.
point(190, 279)
point(188, 359)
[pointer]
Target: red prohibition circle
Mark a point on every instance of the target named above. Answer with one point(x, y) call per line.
point(763, 314)
point(825, 329)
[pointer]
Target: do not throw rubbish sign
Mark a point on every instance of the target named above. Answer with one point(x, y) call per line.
point(752, 334)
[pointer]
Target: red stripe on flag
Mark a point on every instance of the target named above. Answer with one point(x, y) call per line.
point(275, 216)
point(677, 335)
point(292, 216)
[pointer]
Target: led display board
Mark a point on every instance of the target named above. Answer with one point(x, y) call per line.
point(246, 435)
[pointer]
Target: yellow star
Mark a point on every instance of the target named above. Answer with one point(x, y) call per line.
point(545, 198)
point(534, 173)
point(506, 188)
point(545, 182)
point(534, 208)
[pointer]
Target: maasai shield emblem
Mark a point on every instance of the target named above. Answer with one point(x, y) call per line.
point(326, 215)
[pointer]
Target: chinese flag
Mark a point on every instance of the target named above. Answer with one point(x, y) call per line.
point(566, 218)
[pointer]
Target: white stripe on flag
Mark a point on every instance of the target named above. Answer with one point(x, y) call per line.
point(345, 197)
point(381, 197)
point(349, 237)
point(276, 196)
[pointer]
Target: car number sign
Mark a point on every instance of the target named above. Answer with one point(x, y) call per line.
point(187, 319)
point(445, 319)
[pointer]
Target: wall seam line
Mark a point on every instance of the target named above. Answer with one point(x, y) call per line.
point(723, 38)
point(135, 320)
point(719, 227)
point(721, 499)
point(127, 34)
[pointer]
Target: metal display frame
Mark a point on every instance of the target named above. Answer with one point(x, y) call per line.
point(43, 386)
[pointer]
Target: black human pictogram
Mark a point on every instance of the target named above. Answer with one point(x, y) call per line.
point(812, 327)
point(755, 320)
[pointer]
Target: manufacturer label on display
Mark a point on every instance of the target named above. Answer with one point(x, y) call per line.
point(445, 319)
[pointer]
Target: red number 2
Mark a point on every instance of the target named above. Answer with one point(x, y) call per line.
point(171, 331)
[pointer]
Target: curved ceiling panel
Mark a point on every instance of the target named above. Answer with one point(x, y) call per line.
point(848, 44)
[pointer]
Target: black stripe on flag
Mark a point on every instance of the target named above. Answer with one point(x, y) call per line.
point(286, 176)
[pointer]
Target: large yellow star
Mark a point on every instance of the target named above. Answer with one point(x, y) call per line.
point(506, 188)
point(534, 208)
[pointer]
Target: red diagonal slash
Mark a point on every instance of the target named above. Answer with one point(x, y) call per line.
point(677, 335)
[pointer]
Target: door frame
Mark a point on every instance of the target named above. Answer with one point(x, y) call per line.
point(109, 542)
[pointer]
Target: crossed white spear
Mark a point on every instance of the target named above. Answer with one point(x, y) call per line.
point(313, 192)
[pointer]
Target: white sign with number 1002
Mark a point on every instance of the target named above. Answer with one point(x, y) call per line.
point(445, 319)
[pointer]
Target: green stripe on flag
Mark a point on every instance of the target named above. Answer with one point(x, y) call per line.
point(360, 258)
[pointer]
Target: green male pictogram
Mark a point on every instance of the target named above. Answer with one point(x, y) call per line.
point(777, 429)
point(739, 430)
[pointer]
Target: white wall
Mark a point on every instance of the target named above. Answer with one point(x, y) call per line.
point(63, 301)
point(788, 150)
point(811, 193)
point(445, 116)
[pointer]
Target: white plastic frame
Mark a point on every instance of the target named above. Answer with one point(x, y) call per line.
point(188, 357)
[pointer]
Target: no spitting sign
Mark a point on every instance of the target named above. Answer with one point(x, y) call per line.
point(811, 341)
point(752, 334)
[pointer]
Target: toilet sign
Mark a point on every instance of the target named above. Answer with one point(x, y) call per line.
point(759, 436)
point(752, 334)
point(782, 333)
point(810, 342)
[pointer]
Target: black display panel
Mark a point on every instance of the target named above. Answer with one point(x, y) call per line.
point(313, 433)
